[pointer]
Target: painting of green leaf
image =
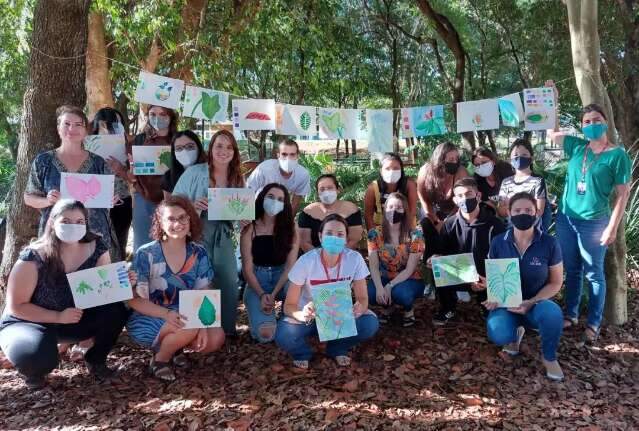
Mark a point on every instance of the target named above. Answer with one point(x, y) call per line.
point(231, 204)
point(503, 282)
point(205, 104)
point(101, 285)
point(454, 269)
point(334, 311)
point(305, 121)
point(83, 288)
point(201, 307)
point(165, 158)
point(151, 159)
point(334, 124)
point(428, 120)
point(509, 114)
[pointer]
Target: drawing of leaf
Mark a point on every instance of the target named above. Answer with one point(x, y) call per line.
point(237, 205)
point(305, 120)
point(165, 158)
point(83, 288)
point(334, 123)
point(210, 105)
point(206, 313)
point(103, 273)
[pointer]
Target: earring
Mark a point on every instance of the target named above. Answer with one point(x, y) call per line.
point(164, 237)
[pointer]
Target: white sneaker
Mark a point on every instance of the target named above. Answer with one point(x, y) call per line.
point(513, 348)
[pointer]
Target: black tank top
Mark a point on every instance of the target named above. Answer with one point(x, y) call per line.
point(263, 253)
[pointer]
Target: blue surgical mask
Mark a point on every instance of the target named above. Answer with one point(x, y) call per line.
point(272, 206)
point(159, 123)
point(118, 128)
point(333, 244)
point(595, 131)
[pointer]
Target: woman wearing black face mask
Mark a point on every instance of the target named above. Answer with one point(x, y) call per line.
point(541, 272)
point(394, 250)
point(524, 180)
point(435, 190)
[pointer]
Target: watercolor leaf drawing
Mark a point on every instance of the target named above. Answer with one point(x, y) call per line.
point(431, 122)
point(334, 311)
point(454, 269)
point(206, 313)
point(210, 105)
point(305, 120)
point(165, 158)
point(83, 288)
point(509, 114)
point(201, 307)
point(231, 204)
point(504, 282)
point(334, 123)
point(101, 285)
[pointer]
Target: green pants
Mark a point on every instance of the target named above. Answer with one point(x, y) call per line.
point(218, 240)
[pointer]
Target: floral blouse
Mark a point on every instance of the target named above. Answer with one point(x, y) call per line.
point(393, 259)
point(159, 284)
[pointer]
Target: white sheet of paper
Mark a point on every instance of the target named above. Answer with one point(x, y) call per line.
point(540, 108)
point(107, 146)
point(503, 282)
point(205, 104)
point(477, 115)
point(379, 124)
point(296, 120)
point(100, 285)
point(337, 123)
point(93, 190)
point(159, 90)
point(201, 308)
point(151, 159)
point(254, 114)
point(231, 204)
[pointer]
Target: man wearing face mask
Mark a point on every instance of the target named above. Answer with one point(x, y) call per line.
point(469, 230)
point(284, 170)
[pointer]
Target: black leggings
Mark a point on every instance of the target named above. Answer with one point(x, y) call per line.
point(33, 347)
point(121, 216)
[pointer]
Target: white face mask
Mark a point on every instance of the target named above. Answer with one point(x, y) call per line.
point(485, 169)
point(328, 197)
point(288, 165)
point(391, 177)
point(186, 157)
point(273, 207)
point(118, 128)
point(70, 232)
point(159, 123)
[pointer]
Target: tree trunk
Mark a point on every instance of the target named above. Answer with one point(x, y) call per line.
point(192, 15)
point(59, 30)
point(584, 39)
point(98, 82)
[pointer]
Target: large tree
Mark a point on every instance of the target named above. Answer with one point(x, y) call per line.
point(56, 77)
point(584, 38)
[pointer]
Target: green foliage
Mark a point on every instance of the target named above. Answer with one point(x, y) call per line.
point(206, 313)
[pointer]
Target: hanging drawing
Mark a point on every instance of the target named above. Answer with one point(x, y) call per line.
point(503, 282)
point(296, 120)
point(511, 110)
point(100, 285)
point(477, 115)
point(334, 316)
point(423, 121)
point(205, 104)
point(379, 124)
point(107, 146)
point(231, 204)
point(254, 114)
point(94, 191)
point(337, 123)
point(540, 108)
point(159, 90)
point(201, 308)
point(151, 159)
point(454, 269)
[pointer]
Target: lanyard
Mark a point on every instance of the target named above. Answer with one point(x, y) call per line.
point(584, 168)
point(339, 267)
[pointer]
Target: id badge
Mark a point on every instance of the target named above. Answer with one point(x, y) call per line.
point(581, 188)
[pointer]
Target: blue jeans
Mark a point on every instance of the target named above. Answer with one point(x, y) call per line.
point(545, 316)
point(583, 255)
point(291, 337)
point(268, 277)
point(142, 216)
point(404, 293)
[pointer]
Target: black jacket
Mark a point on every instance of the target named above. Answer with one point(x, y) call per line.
point(458, 236)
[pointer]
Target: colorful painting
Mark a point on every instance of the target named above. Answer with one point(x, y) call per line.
point(379, 124)
point(296, 120)
point(503, 282)
point(201, 308)
point(540, 108)
point(100, 285)
point(151, 159)
point(511, 110)
point(205, 104)
point(159, 90)
point(454, 269)
point(231, 204)
point(94, 191)
point(423, 121)
point(107, 146)
point(477, 115)
point(339, 123)
point(334, 316)
point(254, 114)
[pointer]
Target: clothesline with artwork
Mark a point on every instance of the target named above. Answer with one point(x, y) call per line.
point(536, 112)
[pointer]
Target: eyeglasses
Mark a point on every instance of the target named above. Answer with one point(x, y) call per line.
point(183, 219)
point(189, 146)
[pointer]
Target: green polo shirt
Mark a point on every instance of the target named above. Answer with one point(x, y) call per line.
point(611, 168)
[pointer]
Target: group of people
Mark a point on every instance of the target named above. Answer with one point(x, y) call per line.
point(502, 210)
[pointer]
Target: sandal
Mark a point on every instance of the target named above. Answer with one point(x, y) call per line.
point(569, 322)
point(162, 371)
point(180, 359)
point(343, 360)
point(590, 335)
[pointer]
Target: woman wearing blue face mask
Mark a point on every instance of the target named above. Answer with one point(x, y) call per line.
point(586, 225)
point(186, 150)
point(159, 130)
point(524, 180)
point(331, 263)
point(269, 248)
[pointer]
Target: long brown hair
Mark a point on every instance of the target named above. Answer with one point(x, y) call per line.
point(404, 227)
point(284, 228)
point(436, 170)
point(195, 225)
point(48, 244)
point(151, 133)
point(234, 177)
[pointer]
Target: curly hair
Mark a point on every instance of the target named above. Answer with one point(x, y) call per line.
point(157, 233)
point(235, 177)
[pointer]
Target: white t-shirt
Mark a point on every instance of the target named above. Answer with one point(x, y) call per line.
point(269, 172)
point(308, 271)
